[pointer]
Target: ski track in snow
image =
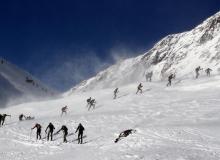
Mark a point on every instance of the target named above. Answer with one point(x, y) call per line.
point(176, 123)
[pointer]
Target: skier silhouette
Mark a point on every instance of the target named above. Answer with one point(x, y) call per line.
point(80, 129)
point(172, 76)
point(38, 133)
point(149, 76)
point(88, 101)
point(139, 88)
point(64, 110)
point(208, 71)
point(21, 116)
point(115, 93)
point(2, 118)
point(197, 71)
point(92, 104)
point(51, 128)
point(65, 133)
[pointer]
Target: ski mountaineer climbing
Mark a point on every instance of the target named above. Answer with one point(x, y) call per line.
point(139, 88)
point(64, 110)
point(80, 129)
point(208, 71)
point(88, 101)
point(115, 93)
point(149, 76)
point(197, 71)
point(124, 134)
point(50, 132)
point(65, 133)
point(3, 116)
point(172, 76)
point(92, 104)
point(21, 116)
point(38, 133)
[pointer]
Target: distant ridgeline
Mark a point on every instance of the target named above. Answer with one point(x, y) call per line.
point(17, 85)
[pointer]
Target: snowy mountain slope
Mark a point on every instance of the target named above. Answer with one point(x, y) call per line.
point(175, 123)
point(17, 85)
point(177, 53)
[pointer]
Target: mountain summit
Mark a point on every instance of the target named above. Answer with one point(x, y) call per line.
point(176, 53)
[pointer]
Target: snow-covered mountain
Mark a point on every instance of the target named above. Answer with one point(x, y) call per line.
point(18, 86)
point(177, 53)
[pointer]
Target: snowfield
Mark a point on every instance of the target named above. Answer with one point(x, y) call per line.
point(181, 122)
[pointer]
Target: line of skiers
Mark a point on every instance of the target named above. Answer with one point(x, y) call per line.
point(50, 132)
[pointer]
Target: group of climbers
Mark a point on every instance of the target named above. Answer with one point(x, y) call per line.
point(50, 132)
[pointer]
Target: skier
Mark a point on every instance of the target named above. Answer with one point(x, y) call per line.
point(208, 70)
point(124, 134)
point(197, 71)
point(64, 110)
point(92, 104)
point(38, 133)
point(65, 133)
point(149, 76)
point(115, 93)
point(50, 132)
point(88, 101)
point(3, 118)
point(139, 88)
point(172, 76)
point(21, 116)
point(80, 130)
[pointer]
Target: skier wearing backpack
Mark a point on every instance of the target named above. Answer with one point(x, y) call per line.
point(92, 104)
point(197, 71)
point(3, 118)
point(139, 88)
point(208, 71)
point(80, 129)
point(64, 110)
point(38, 133)
point(88, 101)
point(65, 133)
point(172, 76)
point(51, 128)
point(115, 93)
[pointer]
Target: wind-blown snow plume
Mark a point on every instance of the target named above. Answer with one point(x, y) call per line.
point(177, 53)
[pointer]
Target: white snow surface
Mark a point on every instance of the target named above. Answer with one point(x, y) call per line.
point(177, 53)
point(181, 122)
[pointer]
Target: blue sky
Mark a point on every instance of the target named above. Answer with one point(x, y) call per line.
point(64, 42)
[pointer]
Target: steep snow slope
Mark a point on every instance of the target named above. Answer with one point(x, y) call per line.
point(17, 85)
point(177, 53)
point(176, 123)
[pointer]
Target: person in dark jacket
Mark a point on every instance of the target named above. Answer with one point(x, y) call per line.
point(80, 129)
point(21, 117)
point(38, 127)
point(172, 76)
point(208, 71)
point(139, 88)
point(197, 71)
point(3, 118)
point(64, 110)
point(51, 128)
point(92, 104)
point(115, 93)
point(65, 133)
point(124, 134)
point(88, 101)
